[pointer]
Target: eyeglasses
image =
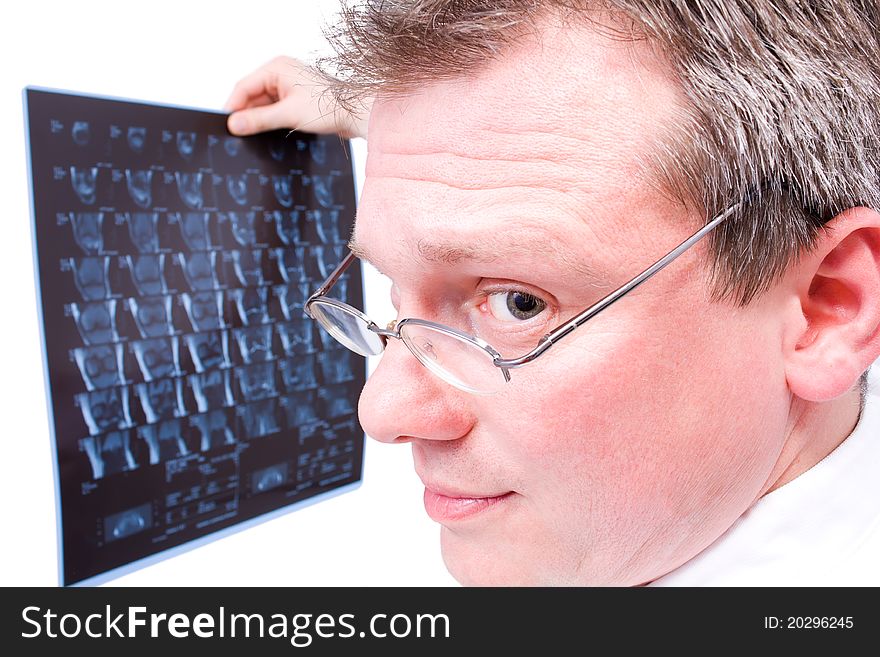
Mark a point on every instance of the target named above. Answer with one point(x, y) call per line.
point(462, 360)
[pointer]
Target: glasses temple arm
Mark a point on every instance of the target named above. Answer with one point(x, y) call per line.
point(334, 276)
point(560, 332)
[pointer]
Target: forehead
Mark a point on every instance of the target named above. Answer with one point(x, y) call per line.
point(548, 142)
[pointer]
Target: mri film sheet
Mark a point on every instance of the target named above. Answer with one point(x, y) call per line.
point(188, 391)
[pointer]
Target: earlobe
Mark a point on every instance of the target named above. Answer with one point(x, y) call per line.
point(837, 335)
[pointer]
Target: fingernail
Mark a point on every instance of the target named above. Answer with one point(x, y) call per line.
point(237, 123)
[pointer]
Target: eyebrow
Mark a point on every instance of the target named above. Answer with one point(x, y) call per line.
point(494, 249)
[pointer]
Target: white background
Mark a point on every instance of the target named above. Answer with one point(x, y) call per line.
point(189, 53)
point(186, 53)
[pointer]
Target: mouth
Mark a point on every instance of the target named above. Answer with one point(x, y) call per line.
point(444, 507)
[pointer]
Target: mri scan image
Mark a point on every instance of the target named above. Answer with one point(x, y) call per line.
point(237, 186)
point(105, 410)
point(80, 133)
point(88, 231)
point(243, 228)
point(140, 186)
point(287, 227)
point(298, 373)
point(211, 389)
point(189, 186)
point(161, 399)
point(301, 410)
point(92, 277)
point(188, 390)
point(322, 186)
point(283, 187)
point(255, 343)
point(318, 152)
point(205, 310)
point(137, 138)
point(85, 183)
point(297, 336)
point(256, 381)
point(186, 143)
point(248, 267)
point(152, 315)
point(292, 264)
point(213, 429)
point(208, 350)
point(336, 366)
point(147, 273)
point(232, 146)
point(251, 304)
point(337, 402)
point(270, 478)
point(96, 321)
point(100, 366)
point(195, 230)
point(157, 358)
point(143, 228)
point(260, 418)
point(127, 523)
point(277, 149)
point(199, 269)
point(164, 441)
point(327, 258)
point(292, 299)
point(326, 223)
point(109, 454)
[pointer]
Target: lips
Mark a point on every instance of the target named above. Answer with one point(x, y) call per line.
point(445, 506)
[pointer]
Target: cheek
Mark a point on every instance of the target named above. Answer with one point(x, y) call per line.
point(643, 442)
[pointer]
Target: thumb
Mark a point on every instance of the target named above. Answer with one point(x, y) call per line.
point(257, 119)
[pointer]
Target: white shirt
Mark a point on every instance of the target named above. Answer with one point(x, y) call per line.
point(820, 529)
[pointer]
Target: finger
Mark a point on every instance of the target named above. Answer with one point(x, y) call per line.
point(260, 85)
point(328, 117)
point(258, 119)
point(257, 101)
point(327, 122)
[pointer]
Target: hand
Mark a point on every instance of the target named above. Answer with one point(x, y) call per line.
point(286, 93)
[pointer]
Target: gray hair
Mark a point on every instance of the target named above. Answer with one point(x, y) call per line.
point(782, 102)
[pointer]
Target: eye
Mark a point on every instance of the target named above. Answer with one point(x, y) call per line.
point(515, 305)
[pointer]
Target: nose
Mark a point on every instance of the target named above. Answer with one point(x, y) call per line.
point(403, 400)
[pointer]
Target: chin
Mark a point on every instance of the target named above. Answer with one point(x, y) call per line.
point(475, 563)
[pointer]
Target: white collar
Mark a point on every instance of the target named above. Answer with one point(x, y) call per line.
point(821, 528)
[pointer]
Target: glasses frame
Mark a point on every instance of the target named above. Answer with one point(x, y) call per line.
point(544, 344)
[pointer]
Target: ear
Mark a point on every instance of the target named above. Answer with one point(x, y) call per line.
point(834, 335)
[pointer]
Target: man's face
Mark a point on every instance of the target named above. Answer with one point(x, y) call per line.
point(637, 440)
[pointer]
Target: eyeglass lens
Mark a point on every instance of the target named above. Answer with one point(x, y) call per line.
point(454, 359)
point(348, 328)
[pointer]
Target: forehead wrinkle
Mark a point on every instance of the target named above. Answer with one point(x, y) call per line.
point(523, 148)
point(590, 136)
point(478, 174)
point(482, 185)
point(610, 109)
point(473, 156)
point(492, 250)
